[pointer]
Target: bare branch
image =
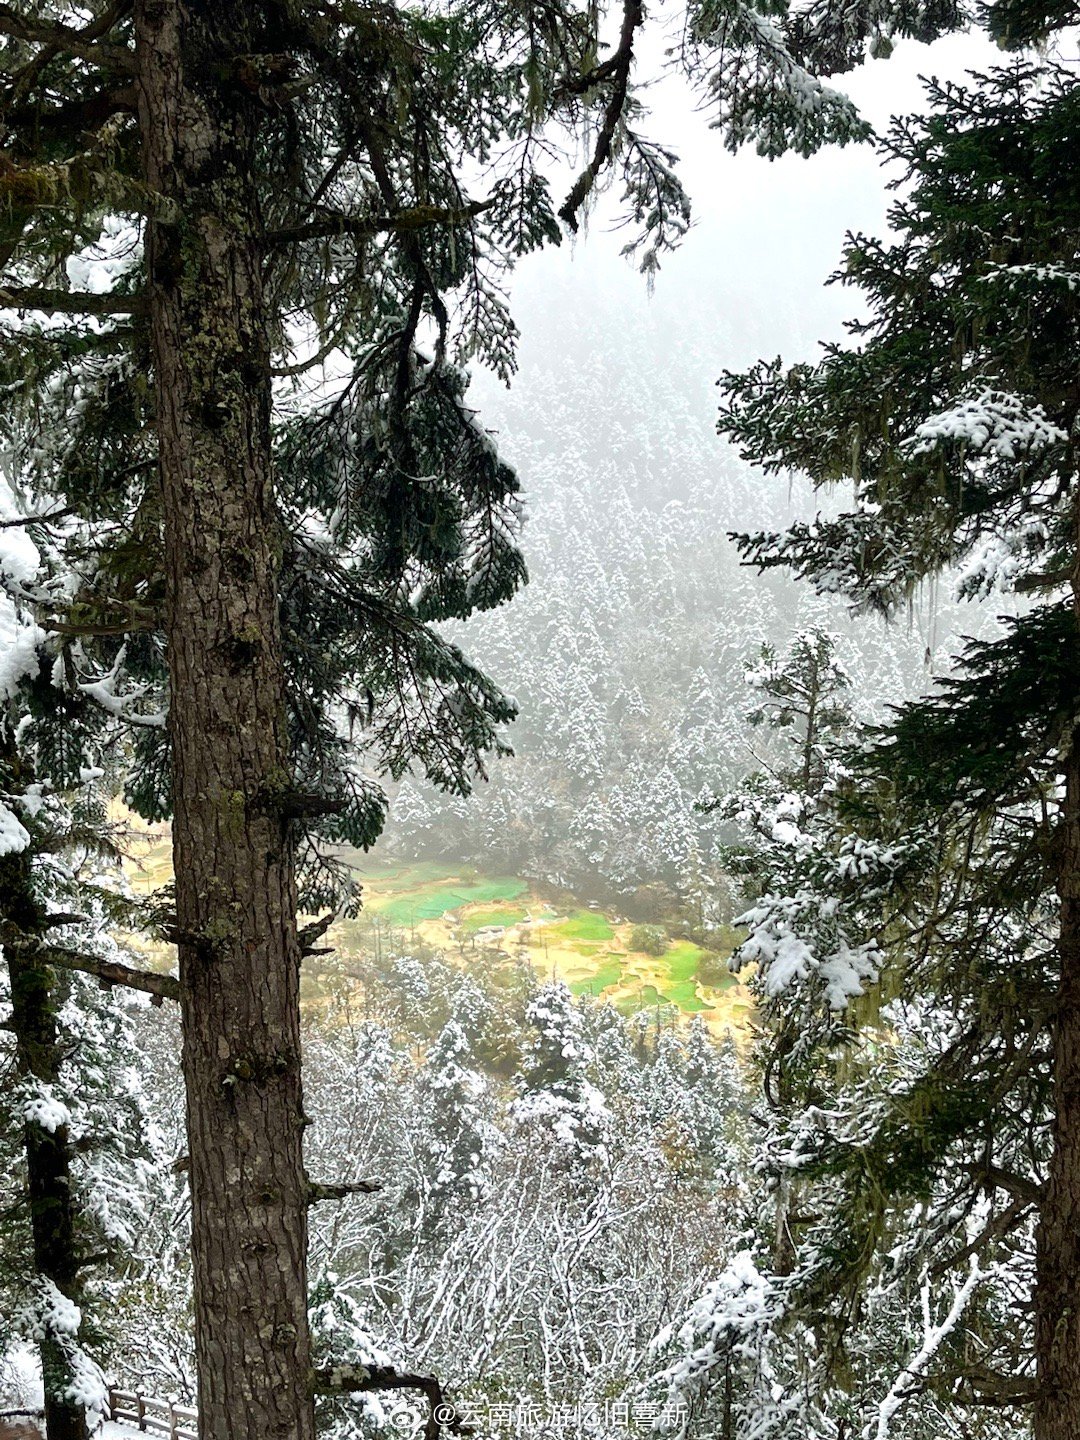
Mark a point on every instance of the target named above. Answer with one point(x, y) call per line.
point(318, 1192)
point(60, 514)
point(1001, 1224)
point(988, 1387)
point(1051, 580)
point(618, 71)
point(111, 972)
point(572, 85)
point(417, 217)
point(64, 39)
point(346, 1379)
point(69, 302)
point(301, 805)
point(85, 114)
point(132, 617)
point(315, 930)
point(1029, 1192)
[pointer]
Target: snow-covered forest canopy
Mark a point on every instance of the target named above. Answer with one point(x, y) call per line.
point(539, 753)
point(627, 651)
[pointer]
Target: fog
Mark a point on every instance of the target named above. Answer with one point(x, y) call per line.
point(627, 650)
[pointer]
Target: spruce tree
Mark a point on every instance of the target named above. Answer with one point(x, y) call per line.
point(783, 869)
point(558, 1099)
point(802, 693)
point(954, 418)
point(458, 1132)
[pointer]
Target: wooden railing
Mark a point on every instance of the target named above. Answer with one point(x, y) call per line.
point(153, 1417)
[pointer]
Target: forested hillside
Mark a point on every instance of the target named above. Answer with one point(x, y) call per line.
point(538, 1190)
point(627, 652)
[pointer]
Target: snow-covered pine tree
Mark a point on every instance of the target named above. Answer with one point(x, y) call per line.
point(785, 873)
point(456, 1135)
point(851, 1265)
point(800, 700)
point(557, 1099)
point(716, 1100)
point(803, 691)
point(955, 419)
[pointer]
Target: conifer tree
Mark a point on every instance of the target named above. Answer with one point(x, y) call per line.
point(87, 1149)
point(843, 1314)
point(784, 869)
point(83, 1146)
point(457, 1133)
point(954, 417)
point(557, 1095)
point(803, 692)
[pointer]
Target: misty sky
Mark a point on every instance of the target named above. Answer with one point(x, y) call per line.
point(767, 233)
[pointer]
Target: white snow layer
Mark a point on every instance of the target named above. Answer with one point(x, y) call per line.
point(993, 423)
point(13, 834)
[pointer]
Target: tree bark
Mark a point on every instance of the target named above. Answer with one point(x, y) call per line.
point(48, 1157)
point(233, 857)
point(1057, 1290)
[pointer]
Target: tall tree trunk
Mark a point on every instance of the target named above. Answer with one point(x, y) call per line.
point(1057, 1293)
point(48, 1169)
point(235, 885)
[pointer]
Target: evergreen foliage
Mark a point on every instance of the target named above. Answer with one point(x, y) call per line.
point(383, 274)
point(935, 870)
